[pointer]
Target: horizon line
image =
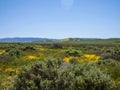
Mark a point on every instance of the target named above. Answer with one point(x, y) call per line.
point(64, 37)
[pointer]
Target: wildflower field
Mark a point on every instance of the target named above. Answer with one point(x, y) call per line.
point(60, 66)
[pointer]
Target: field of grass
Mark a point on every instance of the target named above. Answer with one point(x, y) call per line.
point(105, 56)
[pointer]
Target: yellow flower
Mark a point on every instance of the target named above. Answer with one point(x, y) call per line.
point(31, 57)
point(67, 59)
point(84, 58)
point(2, 51)
point(9, 70)
point(90, 57)
point(17, 70)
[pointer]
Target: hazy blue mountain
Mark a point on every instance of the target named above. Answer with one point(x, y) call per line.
point(17, 39)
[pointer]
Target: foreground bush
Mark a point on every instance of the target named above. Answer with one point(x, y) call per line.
point(57, 75)
point(73, 52)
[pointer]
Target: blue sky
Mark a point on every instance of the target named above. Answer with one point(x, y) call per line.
point(60, 18)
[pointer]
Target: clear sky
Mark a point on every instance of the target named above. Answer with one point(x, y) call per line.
point(60, 18)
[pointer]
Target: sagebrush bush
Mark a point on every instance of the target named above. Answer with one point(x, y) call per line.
point(73, 52)
point(57, 75)
point(107, 62)
point(111, 54)
point(28, 48)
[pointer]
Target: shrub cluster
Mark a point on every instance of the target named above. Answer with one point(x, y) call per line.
point(113, 54)
point(57, 75)
point(73, 52)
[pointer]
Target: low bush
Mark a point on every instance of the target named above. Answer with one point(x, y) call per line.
point(57, 75)
point(73, 52)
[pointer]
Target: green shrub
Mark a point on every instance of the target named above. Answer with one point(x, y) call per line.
point(111, 54)
point(14, 53)
point(28, 48)
point(73, 52)
point(107, 62)
point(51, 75)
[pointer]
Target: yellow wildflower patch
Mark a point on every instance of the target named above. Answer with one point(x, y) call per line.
point(90, 57)
point(31, 57)
point(67, 59)
point(17, 70)
point(84, 58)
point(2, 51)
point(9, 70)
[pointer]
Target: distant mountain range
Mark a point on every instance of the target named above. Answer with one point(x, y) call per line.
point(18, 39)
point(25, 39)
